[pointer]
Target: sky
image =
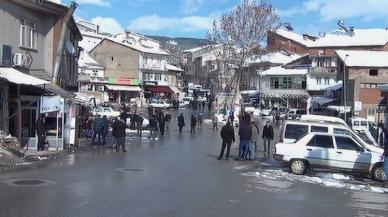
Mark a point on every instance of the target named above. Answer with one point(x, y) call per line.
point(194, 18)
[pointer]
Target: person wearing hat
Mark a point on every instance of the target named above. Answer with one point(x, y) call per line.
point(267, 136)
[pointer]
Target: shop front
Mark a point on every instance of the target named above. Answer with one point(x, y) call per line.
point(122, 89)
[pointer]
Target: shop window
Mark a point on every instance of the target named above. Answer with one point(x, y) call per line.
point(373, 72)
point(319, 80)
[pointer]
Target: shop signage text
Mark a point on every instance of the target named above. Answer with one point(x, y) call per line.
point(51, 104)
point(123, 81)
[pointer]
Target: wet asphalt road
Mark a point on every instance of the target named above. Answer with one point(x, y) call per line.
point(177, 175)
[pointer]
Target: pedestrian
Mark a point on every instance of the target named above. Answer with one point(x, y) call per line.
point(123, 113)
point(105, 130)
point(193, 123)
point(98, 126)
point(168, 120)
point(162, 123)
point(139, 125)
point(153, 126)
point(227, 135)
point(231, 115)
point(215, 122)
point(40, 132)
point(267, 136)
point(200, 121)
point(181, 122)
point(254, 139)
point(382, 135)
point(203, 104)
point(118, 131)
point(245, 133)
point(386, 159)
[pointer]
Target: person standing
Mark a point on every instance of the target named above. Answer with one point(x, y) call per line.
point(267, 136)
point(254, 139)
point(162, 123)
point(193, 123)
point(181, 122)
point(386, 159)
point(118, 131)
point(105, 130)
point(40, 132)
point(245, 133)
point(98, 125)
point(139, 124)
point(227, 135)
point(200, 121)
point(168, 120)
point(153, 126)
point(215, 122)
point(203, 104)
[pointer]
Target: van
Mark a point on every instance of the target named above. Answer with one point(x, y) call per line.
point(295, 113)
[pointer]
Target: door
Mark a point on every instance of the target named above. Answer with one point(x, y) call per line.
point(320, 151)
point(350, 155)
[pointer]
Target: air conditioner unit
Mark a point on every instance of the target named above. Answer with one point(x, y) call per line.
point(19, 60)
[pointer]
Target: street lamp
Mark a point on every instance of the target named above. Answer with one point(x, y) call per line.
point(344, 86)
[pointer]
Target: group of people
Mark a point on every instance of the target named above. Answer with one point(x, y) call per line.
point(249, 138)
point(158, 122)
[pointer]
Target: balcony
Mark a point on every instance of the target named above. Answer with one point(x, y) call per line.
point(323, 70)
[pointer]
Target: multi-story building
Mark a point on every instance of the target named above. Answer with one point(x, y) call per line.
point(29, 50)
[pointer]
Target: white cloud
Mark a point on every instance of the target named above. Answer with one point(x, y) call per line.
point(102, 3)
point(192, 6)
point(108, 24)
point(185, 24)
point(329, 10)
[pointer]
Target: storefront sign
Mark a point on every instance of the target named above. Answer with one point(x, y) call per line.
point(51, 104)
point(123, 81)
point(357, 106)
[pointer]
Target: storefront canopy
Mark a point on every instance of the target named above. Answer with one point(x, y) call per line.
point(57, 90)
point(159, 89)
point(17, 77)
point(286, 93)
point(123, 88)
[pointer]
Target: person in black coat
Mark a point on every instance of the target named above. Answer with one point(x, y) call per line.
point(267, 136)
point(227, 135)
point(181, 122)
point(40, 132)
point(193, 123)
point(118, 131)
point(162, 121)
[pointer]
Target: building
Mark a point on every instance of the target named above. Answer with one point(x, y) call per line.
point(365, 71)
point(31, 83)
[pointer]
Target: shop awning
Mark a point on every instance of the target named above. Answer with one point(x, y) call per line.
point(123, 87)
point(286, 93)
point(321, 100)
point(159, 89)
point(57, 90)
point(17, 77)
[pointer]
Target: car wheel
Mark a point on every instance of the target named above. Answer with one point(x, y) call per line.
point(378, 173)
point(298, 166)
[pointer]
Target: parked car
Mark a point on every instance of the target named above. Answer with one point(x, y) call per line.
point(330, 150)
point(105, 111)
point(184, 103)
point(160, 104)
point(272, 110)
point(295, 113)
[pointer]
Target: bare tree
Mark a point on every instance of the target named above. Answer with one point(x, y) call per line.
point(242, 34)
point(175, 53)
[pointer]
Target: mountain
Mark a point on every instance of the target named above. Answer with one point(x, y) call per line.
point(183, 43)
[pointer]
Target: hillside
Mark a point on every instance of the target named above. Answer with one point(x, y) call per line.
point(184, 43)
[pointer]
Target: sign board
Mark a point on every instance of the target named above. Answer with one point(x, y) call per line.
point(51, 104)
point(357, 106)
point(123, 81)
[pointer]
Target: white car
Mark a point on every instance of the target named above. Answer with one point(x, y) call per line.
point(184, 103)
point(105, 111)
point(330, 150)
point(161, 104)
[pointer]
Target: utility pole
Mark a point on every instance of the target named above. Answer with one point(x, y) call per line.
point(344, 87)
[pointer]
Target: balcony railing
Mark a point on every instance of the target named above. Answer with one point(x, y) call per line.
point(323, 70)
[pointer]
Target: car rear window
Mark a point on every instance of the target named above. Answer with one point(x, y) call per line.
point(295, 131)
point(319, 129)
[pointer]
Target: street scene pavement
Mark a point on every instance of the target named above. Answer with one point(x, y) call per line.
point(179, 175)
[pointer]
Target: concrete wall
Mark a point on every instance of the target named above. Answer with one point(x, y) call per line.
point(126, 60)
point(277, 42)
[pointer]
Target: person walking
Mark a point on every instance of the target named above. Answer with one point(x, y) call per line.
point(203, 104)
point(98, 126)
point(254, 139)
point(245, 133)
point(162, 123)
point(105, 130)
point(227, 135)
point(168, 120)
point(40, 132)
point(118, 131)
point(215, 122)
point(267, 136)
point(200, 121)
point(139, 124)
point(193, 123)
point(386, 158)
point(181, 122)
point(153, 126)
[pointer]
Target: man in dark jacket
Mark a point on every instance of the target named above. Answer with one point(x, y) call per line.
point(267, 136)
point(39, 127)
point(105, 130)
point(245, 133)
point(193, 123)
point(181, 122)
point(153, 126)
point(227, 135)
point(98, 127)
point(118, 131)
point(162, 123)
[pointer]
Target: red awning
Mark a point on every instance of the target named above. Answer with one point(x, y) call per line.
point(159, 89)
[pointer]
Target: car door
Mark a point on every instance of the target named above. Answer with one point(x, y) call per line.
point(351, 155)
point(320, 151)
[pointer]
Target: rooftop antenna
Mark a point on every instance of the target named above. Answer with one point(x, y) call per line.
point(341, 25)
point(288, 26)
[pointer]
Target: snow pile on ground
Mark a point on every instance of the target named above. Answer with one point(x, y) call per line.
point(334, 180)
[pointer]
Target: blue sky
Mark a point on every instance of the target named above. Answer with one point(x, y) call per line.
point(193, 18)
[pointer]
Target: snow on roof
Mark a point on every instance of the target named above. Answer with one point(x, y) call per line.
point(139, 42)
point(195, 49)
point(86, 61)
point(364, 58)
point(59, 2)
point(278, 70)
point(15, 76)
point(279, 57)
point(90, 40)
point(173, 68)
point(339, 38)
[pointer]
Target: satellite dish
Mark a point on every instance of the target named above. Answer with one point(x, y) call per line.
point(69, 47)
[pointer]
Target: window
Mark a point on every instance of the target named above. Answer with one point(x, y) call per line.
point(296, 132)
point(347, 143)
point(356, 123)
point(111, 59)
point(319, 129)
point(339, 131)
point(158, 77)
point(28, 34)
point(319, 80)
point(321, 141)
point(274, 83)
point(373, 72)
point(327, 81)
point(371, 112)
point(364, 123)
